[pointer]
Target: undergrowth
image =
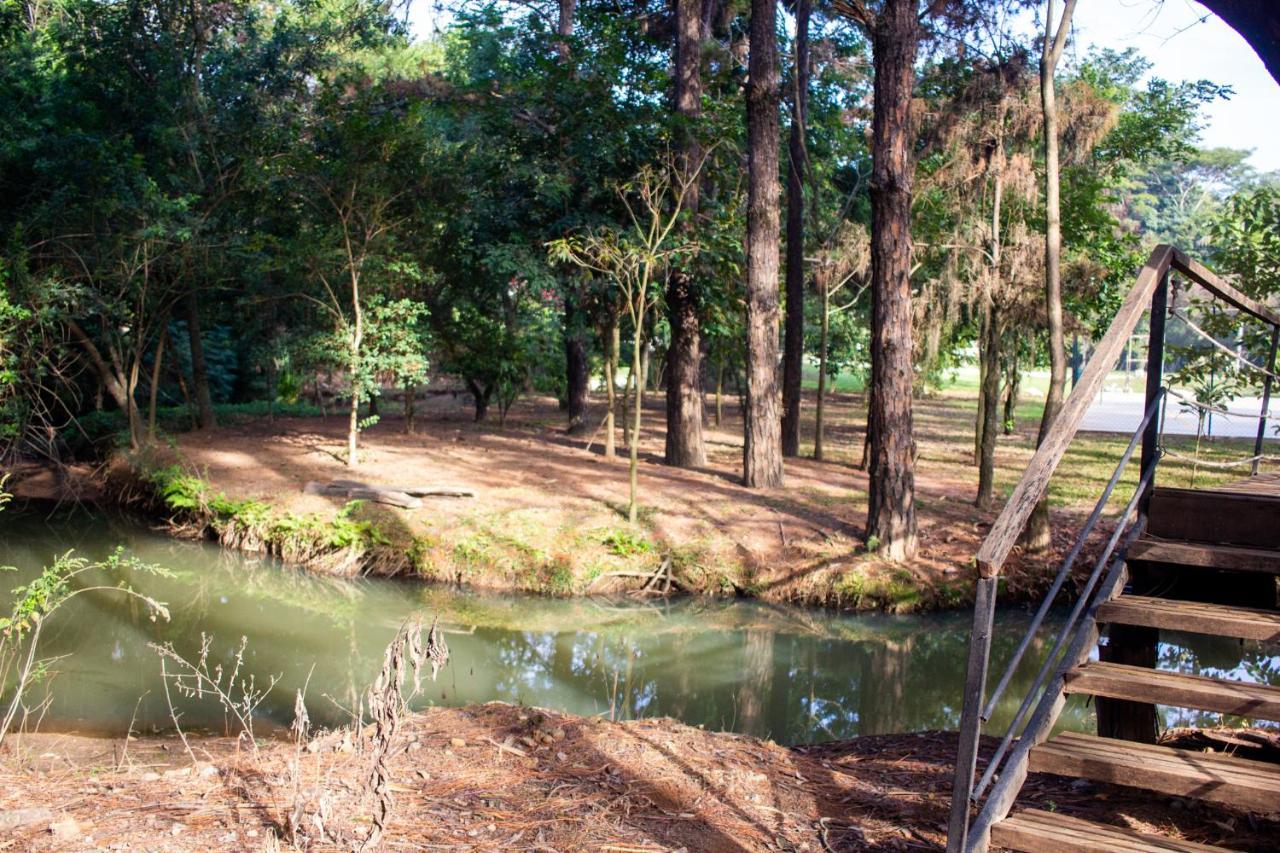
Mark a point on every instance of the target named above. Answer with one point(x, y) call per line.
point(342, 543)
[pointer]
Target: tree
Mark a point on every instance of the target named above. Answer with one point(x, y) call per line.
point(797, 164)
point(635, 259)
point(684, 443)
point(895, 35)
point(762, 450)
point(1037, 536)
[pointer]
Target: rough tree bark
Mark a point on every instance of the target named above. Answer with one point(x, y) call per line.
point(685, 446)
point(990, 410)
point(199, 367)
point(993, 337)
point(891, 516)
point(762, 451)
point(1037, 536)
point(577, 366)
point(793, 336)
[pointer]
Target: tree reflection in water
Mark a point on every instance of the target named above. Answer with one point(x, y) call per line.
point(791, 675)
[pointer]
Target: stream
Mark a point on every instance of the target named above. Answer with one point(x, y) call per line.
point(790, 674)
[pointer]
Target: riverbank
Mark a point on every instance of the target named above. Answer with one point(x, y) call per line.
point(503, 777)
point(548, 511)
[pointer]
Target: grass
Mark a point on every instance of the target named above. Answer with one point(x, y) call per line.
point(341, 539)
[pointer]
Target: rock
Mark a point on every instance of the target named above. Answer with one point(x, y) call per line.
point(65, 829)
point(177, 829)
point(457, 742)
point(150, 777)
point(18, 818)
point(179, 772)
point(558, 734)
point(252, 833)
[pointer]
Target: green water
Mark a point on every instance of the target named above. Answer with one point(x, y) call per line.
point(790, 674)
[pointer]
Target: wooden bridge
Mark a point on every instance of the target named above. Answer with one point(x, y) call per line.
point(1201, 561)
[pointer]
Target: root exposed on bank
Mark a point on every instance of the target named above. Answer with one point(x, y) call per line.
point(503, 777)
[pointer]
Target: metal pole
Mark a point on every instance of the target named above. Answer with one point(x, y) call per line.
point(984, 610)
point(1266, 400)
point(1155, 381)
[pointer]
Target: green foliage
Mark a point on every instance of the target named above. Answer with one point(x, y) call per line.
point(625, 543)
point(192, 499)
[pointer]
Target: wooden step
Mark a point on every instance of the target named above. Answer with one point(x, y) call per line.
point(1243, 623)
point(1139, 684)
point(1037, 831)
point(1251, 785)
point(1238, 516)
point(1206, 556)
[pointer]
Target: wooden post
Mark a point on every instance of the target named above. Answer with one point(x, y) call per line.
point(1266, 399)
point(984, 608)
point(1155, 381)
point(1136, 721)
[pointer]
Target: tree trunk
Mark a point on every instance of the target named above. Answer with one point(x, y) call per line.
point(720, 392)
point(1012, 387)
point(155, 386)
point(793, 338)
point(990, 392)
point(820, 423)
point(480, 399)
point(410, 399)
point(611, 386)
point(891, 517)
point(1036, 537)
point(762, 450)
point(685, 447)
point(577, 367)
point(981, 419)
point(627, 403)
point(115, 383)
point(994, 337)
point(633, 441)
point(199, 367)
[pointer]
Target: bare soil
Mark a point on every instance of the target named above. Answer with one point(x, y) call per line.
point(549, 510)
point(501, 777)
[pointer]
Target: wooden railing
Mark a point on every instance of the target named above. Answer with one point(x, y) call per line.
point(1150, 292)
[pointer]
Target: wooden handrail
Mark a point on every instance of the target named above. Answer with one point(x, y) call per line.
point(1204, 277)
point(1035, 480)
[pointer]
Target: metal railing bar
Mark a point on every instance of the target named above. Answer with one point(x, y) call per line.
point(1052, 658)
point(1046, 714)
point(1070, 561)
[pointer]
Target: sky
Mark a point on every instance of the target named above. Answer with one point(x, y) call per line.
point(1182, 39)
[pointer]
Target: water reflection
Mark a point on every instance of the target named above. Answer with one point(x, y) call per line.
point(789, 674)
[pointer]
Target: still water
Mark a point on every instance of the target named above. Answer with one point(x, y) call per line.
point(790, 674)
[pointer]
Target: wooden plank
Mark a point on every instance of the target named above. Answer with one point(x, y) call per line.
point(1038, 831)
point(1260, 484)
point(1205, 556)
point(1138, 684)
point(1251, 785)
point(1222, 517)
point(1008, 526)
point(1205, 277)
point(1245, 623)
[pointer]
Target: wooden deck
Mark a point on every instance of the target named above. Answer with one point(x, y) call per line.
point(1207, 563)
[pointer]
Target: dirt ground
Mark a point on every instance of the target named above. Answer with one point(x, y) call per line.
point(548, 514)
point(502, 777)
